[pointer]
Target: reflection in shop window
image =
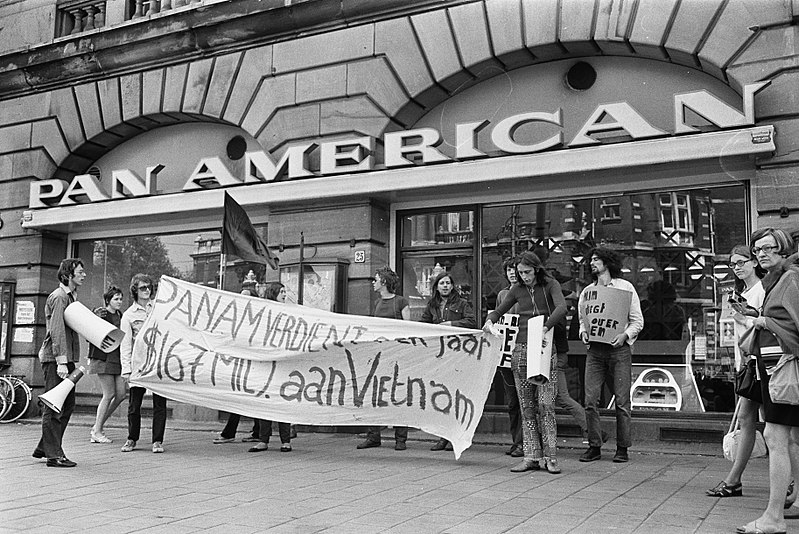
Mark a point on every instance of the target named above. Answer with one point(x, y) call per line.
point(449, 228)
point(674, 246)
point(191, 256)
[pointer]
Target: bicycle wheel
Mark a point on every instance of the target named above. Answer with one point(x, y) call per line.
point(22, 399)
point(3, 405)
point(7, 393)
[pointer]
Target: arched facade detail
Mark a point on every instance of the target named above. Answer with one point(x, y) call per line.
point(302, 88)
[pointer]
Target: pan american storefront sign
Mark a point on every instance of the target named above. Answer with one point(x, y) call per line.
point(410, 147)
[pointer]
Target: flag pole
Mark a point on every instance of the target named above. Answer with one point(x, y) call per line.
point(222, 260)
point(302, 269)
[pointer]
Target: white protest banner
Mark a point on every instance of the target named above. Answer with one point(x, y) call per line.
point(297, 364)
point(539, 349)
point(508, 328)
point(605, 312)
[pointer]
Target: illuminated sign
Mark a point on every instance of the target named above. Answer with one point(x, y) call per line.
point(406, 148)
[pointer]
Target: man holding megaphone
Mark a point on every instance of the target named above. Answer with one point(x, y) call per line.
point(58, 356)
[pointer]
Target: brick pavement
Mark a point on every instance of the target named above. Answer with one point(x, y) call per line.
point(326, 485)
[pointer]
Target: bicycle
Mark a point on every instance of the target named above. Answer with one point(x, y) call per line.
point(16, 397)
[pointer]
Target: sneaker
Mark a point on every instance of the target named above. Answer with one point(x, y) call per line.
point(158, 447)
point(368, 444)
point(400, 446)
point(220, 439)
point(593, 453)
point(621, 455)
point(129, 446)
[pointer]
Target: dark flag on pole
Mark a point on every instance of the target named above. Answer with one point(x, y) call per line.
point(240, 238)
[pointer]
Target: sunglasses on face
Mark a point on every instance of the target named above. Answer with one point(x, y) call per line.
point(145, 288)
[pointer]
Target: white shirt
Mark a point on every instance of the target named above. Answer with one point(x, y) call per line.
point(635, 317)
point(132, 321)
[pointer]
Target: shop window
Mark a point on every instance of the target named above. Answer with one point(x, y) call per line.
point(433, 242)
point(448, 228)
point(669, 257)
point(191, 256)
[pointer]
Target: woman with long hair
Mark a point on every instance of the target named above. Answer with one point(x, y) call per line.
point(447, 307)
point(536, 293)
point(777, 337)
point(277, 292)
point(745, 308)
point(107, 367)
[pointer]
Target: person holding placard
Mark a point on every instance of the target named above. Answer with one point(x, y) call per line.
point(610, 321)
point(141, 288)
point(508, 382)
point(536, 293)
point(58, 355)
point(447, 307)
point(107, 367)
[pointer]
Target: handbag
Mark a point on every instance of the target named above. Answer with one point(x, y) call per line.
point(746, 382)
point(783, 383)
point(730, 442)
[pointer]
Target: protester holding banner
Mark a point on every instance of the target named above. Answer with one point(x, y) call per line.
point(610, 321)
point(58, 355)
point(776, 346)
point(448, 308)
point(107, 367)
point(536, 293)
point(277, 292)
point(141, 288)
point(516, 449)
point(392, 306)
point(746, 301)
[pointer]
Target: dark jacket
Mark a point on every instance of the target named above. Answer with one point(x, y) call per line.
point(457, 309)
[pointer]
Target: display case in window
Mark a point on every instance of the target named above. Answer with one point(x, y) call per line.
point(324, 284)
point(656, 389)
point(6, 307)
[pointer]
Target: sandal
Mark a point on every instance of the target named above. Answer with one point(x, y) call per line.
point(99, 438)
point(285, 448)
point(752, 528)
point(723, 489)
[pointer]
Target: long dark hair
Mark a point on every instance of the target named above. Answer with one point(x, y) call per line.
point(531, 260)
point(273, 290)
point(746, 252)
point(437, 298)
point(134, 285)
point(67, 269)
point(610, 258)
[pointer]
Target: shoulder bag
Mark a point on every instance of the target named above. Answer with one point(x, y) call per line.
point(746, 382)
point(783, 383)
point(730, 442)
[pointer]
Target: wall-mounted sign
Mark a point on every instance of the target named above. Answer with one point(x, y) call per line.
point(607, 122)
point(25, 312)
point(23, 335)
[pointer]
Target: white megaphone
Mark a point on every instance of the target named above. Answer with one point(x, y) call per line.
point(54, 399)
point(97, 331)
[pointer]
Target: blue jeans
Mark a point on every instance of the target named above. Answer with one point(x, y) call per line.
point(606, 365)
point(54, 424)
